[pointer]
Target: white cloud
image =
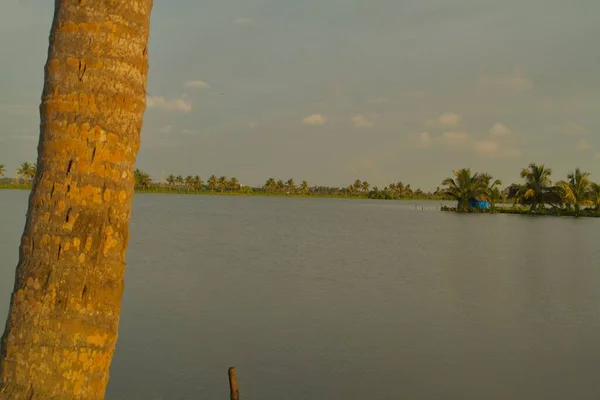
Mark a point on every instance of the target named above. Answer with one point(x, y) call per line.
point(449, 119)
point(582, 145)
point(243, 21)
point(424, 140)
point(361, 122)
point(500, 130)
point(314, 120)
point(455, 138)
point(166, 130)
point(189, 131)
point(160, 102)
point(197, 85)
point(491, 149)
point(574, 129)
point(516, 81)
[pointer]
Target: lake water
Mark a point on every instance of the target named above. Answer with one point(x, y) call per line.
point(347, 299)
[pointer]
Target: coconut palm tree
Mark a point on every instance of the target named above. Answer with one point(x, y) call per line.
point(142, 179)
point(464, 187)
point(537, 189)
point(492, 193)
point(212, 183)
point(365, 186)
point(25, 171)
point(576, 190)
point(222, 183)
point(233, 184)
point(198, 183)
point(291, 186)
point(280, 185)
point(171, 180)
point(2, 169)
point(270, 185)
point(189, 182)
point(595, 196)
point(304, 187)
point(63, 320)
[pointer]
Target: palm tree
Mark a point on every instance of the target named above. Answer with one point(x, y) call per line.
point(492, 189)
point(270, 185)
point(595, 196)
point(189, 182)
point(222, 183)
point(233, 184)
point(171, 180)
point(212, 183)
point(304, 187)
point(365, 186)
point(280, 185)
point(537, 189)
point(576, 191)
point(63, 321)
point(464, 187)
point(25, 171)
point(2, 169)
point(142, 179)
point(198, 183)
point(291, 186)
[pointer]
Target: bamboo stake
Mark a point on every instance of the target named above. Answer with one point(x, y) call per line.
point(234, 393)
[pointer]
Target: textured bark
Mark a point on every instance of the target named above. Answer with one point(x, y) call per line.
point(62, 326)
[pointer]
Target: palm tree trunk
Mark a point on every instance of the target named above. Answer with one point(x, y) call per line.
point(63, 320)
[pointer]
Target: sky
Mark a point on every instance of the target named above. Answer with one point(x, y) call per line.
point(334, 90)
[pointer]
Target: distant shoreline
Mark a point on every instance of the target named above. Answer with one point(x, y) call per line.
point(12, 186)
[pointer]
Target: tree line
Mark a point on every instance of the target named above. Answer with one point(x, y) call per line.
point(576, 195)
point(222, 184)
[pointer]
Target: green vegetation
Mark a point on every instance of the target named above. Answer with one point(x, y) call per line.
point(222, 185)
point(577, 196)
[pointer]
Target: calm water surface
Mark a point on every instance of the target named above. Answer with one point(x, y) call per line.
point(347, 299)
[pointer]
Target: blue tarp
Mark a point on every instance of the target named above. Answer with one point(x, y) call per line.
point(477, 204)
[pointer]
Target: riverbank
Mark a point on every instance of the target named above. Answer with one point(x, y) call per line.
point(550, 212)
point(250, 192)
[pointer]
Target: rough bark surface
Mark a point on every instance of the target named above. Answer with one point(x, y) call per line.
point(62, 326)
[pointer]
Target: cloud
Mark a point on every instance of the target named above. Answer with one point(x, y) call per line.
point(160, 102)
point(449, 119)
point(499, 130)
point(492, 149)
point(455, 138)
point(166, 130)
point(361, 122)
point(189, 131)
point(424, 140)
point(574, 129)
point(516, 81)
point(582, 145)
point(242, 21)
point(197, 85)
point(314, 120)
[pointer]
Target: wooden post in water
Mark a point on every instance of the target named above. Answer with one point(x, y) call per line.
point(234, 393)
